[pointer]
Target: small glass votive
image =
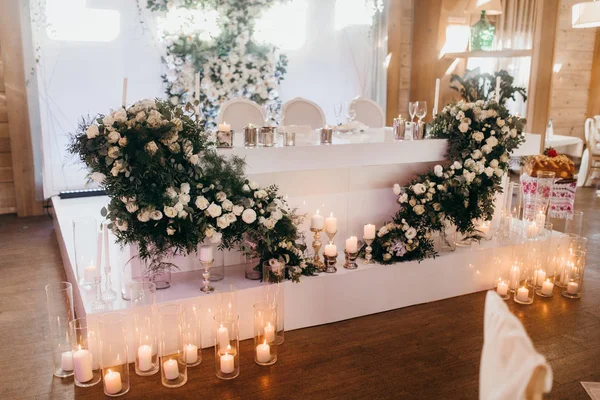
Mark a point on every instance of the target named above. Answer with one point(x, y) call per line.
point(265, 333)
point(501, 282)
point(399, 126)
point(113, 353)
point(250, 136)
point(227, 345)
point(173, 371)
point(267, 136)
point(225, 139)
point(326, 135)
point(524, 294)
point(59, 298)
point(84, 345)
point(573, 284)
point(142, 296)
point(192, 336)
point(289, 139)
point(409, 130)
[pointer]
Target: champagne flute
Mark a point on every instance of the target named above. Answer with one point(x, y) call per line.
point(337, 110)
point(412, 110)
point(421, 109)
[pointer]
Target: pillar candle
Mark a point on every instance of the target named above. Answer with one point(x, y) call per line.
point(269, 333)
point(572, 287)
point(124, 100)
point(330, 249)
point(513, 280)
point(66, 361)
point(352, 244)
point(540, 276)
point(547, 287)
point(331, 224)
point(227, 363)
point(191, 353)
point(369, 231)
point(223, 337)
point(112, 382)
point(523, 294)
point(437, 95)
point(317, 221)
point(206, 253)
point(144, 354)
point(263, 353)
point(224, 127)
point(171, 369)
point(82, 364)
point(502, 288)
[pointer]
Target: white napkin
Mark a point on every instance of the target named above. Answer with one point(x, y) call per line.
point(508, 359)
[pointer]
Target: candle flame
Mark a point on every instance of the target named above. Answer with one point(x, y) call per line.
point(228, 348)
point(331, 214)
point(109, 373)
point(79, 347)
point(265, 342)
point(317, 211)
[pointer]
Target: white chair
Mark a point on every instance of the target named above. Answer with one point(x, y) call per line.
point(299, 111)
point(239, 112)
point(590, 161)
point(368, 112)
point(510, 367)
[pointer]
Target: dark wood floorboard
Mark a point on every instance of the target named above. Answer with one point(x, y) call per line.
point(421, 352)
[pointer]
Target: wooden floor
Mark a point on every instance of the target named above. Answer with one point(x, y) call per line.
point(427, 351)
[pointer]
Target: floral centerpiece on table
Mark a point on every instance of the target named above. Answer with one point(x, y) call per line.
point(481, 135)
point(170, 190)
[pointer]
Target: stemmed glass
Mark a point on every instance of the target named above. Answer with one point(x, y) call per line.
point(350, 114)
point(421, 109)
point(337, 110)
point(412, 110)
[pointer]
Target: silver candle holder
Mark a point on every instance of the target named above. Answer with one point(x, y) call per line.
point(350, 260)
point(399, 127)
point(250, 136)
point(267, 136)
point(420, 130)
point(317, 247)
point(330, 262)
point(326, 135)
point(368, 251)
point(225, 139)
point(206, 275)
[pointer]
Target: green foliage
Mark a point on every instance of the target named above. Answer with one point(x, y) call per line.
point(474, 85)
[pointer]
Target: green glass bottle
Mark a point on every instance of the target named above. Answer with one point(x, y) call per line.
point(482, 34)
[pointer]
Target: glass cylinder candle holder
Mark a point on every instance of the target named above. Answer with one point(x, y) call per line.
point(524, 294)
point(171, 321)
point(267, 136)
point(501, 287)
point(289, 139)
point(142, 296)
point(275, 296)
point(326, 135)
point(513, 201)
point(250, 136)
point(217, 270)
point(227, 346)
point(543, 192)
point(399, 126)
point(192, 336)
point(85, 241)
point(265, 341)
point(59, 300)
point(573, 283)
point(84, 346)
point(577, 242)
point(113, 353)
point(574, 223)
point(447, 237)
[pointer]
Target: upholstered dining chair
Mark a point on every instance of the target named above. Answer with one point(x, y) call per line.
point(299, 111)
point(590, 161)
point(510, 366)
point(239, 112)
point(368, 112)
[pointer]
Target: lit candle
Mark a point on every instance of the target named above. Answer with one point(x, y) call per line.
point(502, 288)
point(224, 127)
point(317, 222)
point(572, 287)
point(270, 333)
point(112, 382)
point(484, 228)
point(523, 294)
point(330, 249)
point(331, 224)
point(82, 363)
point(540, 277)
point(191, 353)
point(498, 80)
point(66, 361)
point(227, 364)
point(547, 287)
point(369, 232)
point(514, 276)
point(171, 369)
point(540, 219)
point(223, 337)
point(89, 273)
point(532, 229)
point(144, 357)
point(206, 253)
point(263, 353)
point(352, 244)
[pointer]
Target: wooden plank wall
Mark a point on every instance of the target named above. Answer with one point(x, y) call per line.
point(8, 202)
point(574, 49)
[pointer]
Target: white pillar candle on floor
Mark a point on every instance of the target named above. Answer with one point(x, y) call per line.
point(171, 369)
point(269, 333)
point(112, 382)
point(547, 288)
point(352, 244)
point(540, 277)
point(66, 361)
point(263, 353)
point(513, 280)
point(502, 288)
point(82, 364)
point(224, 127)
point(191, 353)
point(523, 294)
point(572, 287)
point(206, 253)
point(317, 221)
point(369, 231)
point(330, 249)
point(89, 273)
point(144, 354)
point(223, 337)
point(331, 224)
point(227, 363)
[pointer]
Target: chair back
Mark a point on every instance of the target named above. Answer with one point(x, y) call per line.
point(239, 112)
point(299, 111)
point(510, 366)
point(592, 135)
point(368, 112)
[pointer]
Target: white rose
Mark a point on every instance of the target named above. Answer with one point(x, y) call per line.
point(494, 163)
point(411, 233)
point(253, 185)
point(498, 172)
point(238, 210)
point(220, 196)
point(383, 231)
point(438, 170)
point(178, 124)
point(108, 120)
point(174, 148)
point(151, 148)
point(123, 142)
point(441, 188)
point(412, 202)
point(245, 188)
point(260, 194)
point(214, 210)
point(269, 223)
point(194, 159)
point(171, 193)
point(156, 215)
point(113, 137)
point(513, 133)
point(491, 141)
point(184, 198)
point(170, 230)
point(487, 149)
point(178, 207)
point(209, 232)
point(403, 198)
point(437, 206)
point(114, 152)
point(98, 177)
point(92, 131)
point(489, 171)
point(227, 205)
point(222, 222)
point(185, 188)
point(143, 216)
point(476, 155)
point(419, 188)
point(419, 209)
point(216, 237)
point(463, 127)
point(457, 165)
point(201, 202)
point(504, 157)
point(249, 216)
point(131, 207)
point(397, 189)
point(478, 136)
point(276, 215)
point(460, 115)
point(120, 115)
point(469, 176)
point(182, 214)
point(387, 257)
point(121, 225)
point(500, 122)
point(230, 217)
point(170, 212)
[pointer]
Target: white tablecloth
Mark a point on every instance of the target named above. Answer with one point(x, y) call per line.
point(569, 145)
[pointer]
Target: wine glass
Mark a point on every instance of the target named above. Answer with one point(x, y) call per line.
point(351, 114)
point(337, 110)
point(412, 110)
point(421, 109)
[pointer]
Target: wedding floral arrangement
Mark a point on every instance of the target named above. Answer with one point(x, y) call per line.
point(170, 191)
point(481, 135)
point(231, 63)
